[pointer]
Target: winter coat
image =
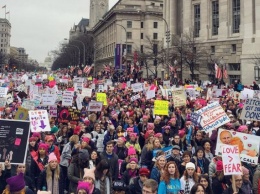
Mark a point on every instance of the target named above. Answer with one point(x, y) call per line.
point(146, 158)
point(5, 175)
point(155, 174)
point(136, 187)
point(204, 167)
point(113, 163)
point(75, 174)
point(256, 178)
point(230, 191)
point(35, 170)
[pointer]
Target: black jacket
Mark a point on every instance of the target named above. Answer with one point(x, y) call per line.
point(113, 163)
point(5, 175)
point(135, 188)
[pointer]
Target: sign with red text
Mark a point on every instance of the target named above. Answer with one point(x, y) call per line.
point(95, 106)
point(231, 160)
point(39, 120)
point(212, 117)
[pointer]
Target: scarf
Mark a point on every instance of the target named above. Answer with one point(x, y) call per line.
point(53, 185)
point(97, 184)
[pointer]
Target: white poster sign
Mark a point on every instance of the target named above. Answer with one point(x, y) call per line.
point(95, 106)
point(48, 99)
point(167, 84)
point(79, 102)
point(9, 98)
point(2, 102)
point(251, 110)
point(29, 105)
point(136, 97)
point(247, 93)
point(67, 98)
point(137, 87)
point(231, 160)
point(86, 92)
point(150, 94)
point(39, 120)
point(3, 92)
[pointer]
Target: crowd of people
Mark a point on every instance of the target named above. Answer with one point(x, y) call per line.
point(120, 149)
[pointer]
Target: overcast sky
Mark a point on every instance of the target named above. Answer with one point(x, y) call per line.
point(40, 25)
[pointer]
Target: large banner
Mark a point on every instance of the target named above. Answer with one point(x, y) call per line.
point(14, 138)
point(248, 145)
point(212, 117)
point(117, 56)
point(251, 110)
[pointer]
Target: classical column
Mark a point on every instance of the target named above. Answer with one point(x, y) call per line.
point(173, 16)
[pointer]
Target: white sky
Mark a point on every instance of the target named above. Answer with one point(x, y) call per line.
point(40, 25)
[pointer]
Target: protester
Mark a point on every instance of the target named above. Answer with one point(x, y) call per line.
point(103, 179)
point(137, 185)
point(5, 173)
point(189, 178)
point(89, 177)
point(158, 168)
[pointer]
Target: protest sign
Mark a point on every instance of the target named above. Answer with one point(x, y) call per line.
point(167, 151)
point(150, 94)
point(28, 82)
point(3, 92)
point(39, 120)
point(247, 93)
point(231, 160)
point(79, 102)
point(248, 145)
point(74, 115)
point(48, 99)
point(14, 138)
point(179, 98)
point(53, 111)
point(212, 117)
point(86, 92)
point(161, 107)
point(136, 97)
point(63, 115)
point(191, 92)
point(137, 87)
point(251, 110)
point(168, 93)
point(167, 84)
point(195, 118)
point(21, 114)
point(27, 104)
point(37, 98)
point(21, 88)
point(102, 97)
point(78, 85)
point(2, 102)
point(100, 145)
point(256, 94)
point(95, 106)
point(67, 98)
point(9, 98)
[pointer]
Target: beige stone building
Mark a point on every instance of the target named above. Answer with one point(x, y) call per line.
point(5, 35)
point(130, 24)
point(229, 29)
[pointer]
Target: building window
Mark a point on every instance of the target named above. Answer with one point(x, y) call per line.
point(129, 24)
point(234, 48)
point(129, 49)
point(215, 17)
point(155, 36)
point(155, 25)
point(236, 15)
point(142, 24)
point(129, 35)
point(212, 49)
point(197, 20)
point(194, 49)
point(161, 5)
point(142, 49)
point(234, 66)
point(152, 4)
point(142, 35)
point(155, 49)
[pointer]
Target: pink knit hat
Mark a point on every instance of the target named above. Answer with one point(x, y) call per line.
point(150, 126)
point(130, 129)
point(219, 165)
point(245, 170)
point(89, 173)
point(52, 157)
point(131, 151)
point(242, 128)
point(145, 117)
point(148, 134)
point(84, 186)
point(133, 135)
point(86, 139)
point(158, 135)
point(133, 160)
point(44, 146)
point(122, 139)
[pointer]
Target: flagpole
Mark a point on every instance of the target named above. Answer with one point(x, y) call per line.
point(5, 11)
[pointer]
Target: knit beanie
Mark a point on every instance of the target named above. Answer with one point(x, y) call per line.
point(83, 154)
point(148, 134)
point(16, 183)
point(131, 151)
point(44, 146)
point(86, 139)
point(133, 135)
point(32, 139)
point(190, 165)
point(52, 157)
point(245, 170)
point(242, 128)
point(133, 160)
point(54, 129)
point(89, 173)
point(119, 185)
point(219, 165)
point(83, 185)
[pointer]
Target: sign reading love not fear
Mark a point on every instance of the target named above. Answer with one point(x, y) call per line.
point(231, 160)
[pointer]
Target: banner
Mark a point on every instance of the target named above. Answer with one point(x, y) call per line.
point(21, 114)
point(102, 97)
point(179, 98)
point(118, 56)
point(251, 110)
point(161, 107)
point(212, 117)
point(166, 150)
point(39, 120)
point(48, 99)
point(136, 97)
point(248, 145)
point(195, 118)
point(67, 98)
point(53, 111)
point(247, 93)
point(14, 138)
point(231, 160)
point(137, 87)
point(95, 106)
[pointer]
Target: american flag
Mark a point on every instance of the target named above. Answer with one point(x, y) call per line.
point(218, 73)
point(107, 68)
point(87, 69)
point(172, 69)
point(225, 71)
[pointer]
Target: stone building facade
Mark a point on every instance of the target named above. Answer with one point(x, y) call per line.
point(5, 36)
point(228, 29)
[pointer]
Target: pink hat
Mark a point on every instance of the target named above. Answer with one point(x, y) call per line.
point(131, 151)
point(130, 129)
point(158, 135)
point(150, 126)
point(158, 118)
point(133, 160)
point(181, 133)
point(48, 138)
point(145, 117)
point(219, 165)
point(188, 123)
point(148, 134)
point(166, 127)
point(77, 130)
point(86, 139)
point(32, 139)
point(89, 173)
point(133, 135)
point(87, 122)
point(122, 139)
point(36, 135)
point(245, 170)
point(171, 120)
point(83, 186)
point(52, 157)
point(44, 146)
point(242, 128)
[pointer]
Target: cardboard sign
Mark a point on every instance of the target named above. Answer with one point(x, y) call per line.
point(212, 117)
point(39, 120)
point(2, 102)
point(179, 98)
point(21, 114)
point(3, 92)
point(21, 88)
point(37, 98)
point(67, 98)
point(86, 92)
point(95, 106)
point(100, 145)
point(29, 105)
point(161, 107)
point(53, 111)
point(9, 98)
point(251, 110)
point(150, 94)
point(231, 160)
point(14, 138)
point(102, 97)
point(137, 87)
point(48, 99)
point(248, 145)
point(136, 97)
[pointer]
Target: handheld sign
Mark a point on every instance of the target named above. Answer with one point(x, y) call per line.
point(231, 160)
point(102, 97)
point(161, 107)
point(251, 110)
point(39, 120)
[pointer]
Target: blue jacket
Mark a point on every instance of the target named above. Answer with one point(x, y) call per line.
point(155, 174)
point(173, 187)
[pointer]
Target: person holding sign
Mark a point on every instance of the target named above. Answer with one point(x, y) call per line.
point(238, 185)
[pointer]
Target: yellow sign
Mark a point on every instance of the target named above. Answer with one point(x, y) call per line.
point(102, 97)
point(21, 114)
point(90, 78)
point(161, 107)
